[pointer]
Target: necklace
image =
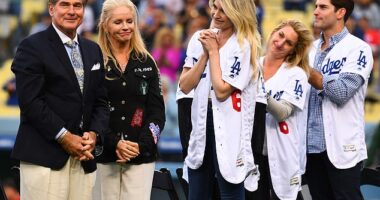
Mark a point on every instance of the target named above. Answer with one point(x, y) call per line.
point(122, 59)
point(123, 65)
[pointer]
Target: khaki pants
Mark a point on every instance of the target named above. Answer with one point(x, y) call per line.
point(68, 183)
point(125, 181)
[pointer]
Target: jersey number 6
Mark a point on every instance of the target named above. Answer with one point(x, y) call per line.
point(236, 100)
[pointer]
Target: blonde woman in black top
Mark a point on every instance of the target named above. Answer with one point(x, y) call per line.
point(127, 163)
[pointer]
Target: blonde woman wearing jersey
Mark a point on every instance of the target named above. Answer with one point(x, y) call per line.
point(224, 100)
point(285, 70)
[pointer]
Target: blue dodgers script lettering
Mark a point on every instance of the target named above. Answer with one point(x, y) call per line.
point(195, 60)
point(276, 96)
point(333, 67)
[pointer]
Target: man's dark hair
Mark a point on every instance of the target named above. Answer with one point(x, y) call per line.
point(55, 1)
point(346, 4)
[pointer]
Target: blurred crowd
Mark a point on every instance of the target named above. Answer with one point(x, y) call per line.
point(166, 26)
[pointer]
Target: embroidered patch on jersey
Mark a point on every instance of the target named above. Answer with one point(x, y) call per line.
point(239, 162)
point(283, 127)
point(156, 132)
point(235, 68)
point(298, 91)
point(143, 87)
point(349, 148)
point(362, 61)
point(295, 181)
point(137, 118)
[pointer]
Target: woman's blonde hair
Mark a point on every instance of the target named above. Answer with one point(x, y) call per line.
point(300, 55)
point(242, 14)
point(136, 44)
point(161, 33)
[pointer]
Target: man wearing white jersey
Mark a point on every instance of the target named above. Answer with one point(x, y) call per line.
point(335, 134)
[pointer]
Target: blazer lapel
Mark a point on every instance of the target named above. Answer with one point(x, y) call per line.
point(86, 63)
point(60, 51)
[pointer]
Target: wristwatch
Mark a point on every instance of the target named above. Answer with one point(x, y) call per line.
point(99, 145)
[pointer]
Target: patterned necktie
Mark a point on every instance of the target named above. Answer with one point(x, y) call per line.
point(77, 62)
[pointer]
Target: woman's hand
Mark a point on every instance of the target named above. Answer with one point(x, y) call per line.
point(209, 40)
point(127, 150)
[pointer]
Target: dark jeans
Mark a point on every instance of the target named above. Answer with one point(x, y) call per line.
point(325, 181)
point(201, 180)
point(184, 123)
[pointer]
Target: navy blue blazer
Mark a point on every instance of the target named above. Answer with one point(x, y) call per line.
point(50, 98)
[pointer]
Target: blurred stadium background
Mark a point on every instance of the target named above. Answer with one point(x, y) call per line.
point(170, 23)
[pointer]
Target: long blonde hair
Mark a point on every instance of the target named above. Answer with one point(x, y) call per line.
point(300, 55)
point(242, 14)
point(136, 45)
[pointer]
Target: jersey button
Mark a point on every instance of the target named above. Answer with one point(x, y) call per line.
point(123, 102)
point(124, 83)
point(122, 118)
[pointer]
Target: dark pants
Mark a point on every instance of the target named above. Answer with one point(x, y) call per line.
point(184, 123)
point(201, 180)
point(325, 181)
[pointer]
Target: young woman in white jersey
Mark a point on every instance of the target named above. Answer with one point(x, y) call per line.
point(224, 100)
point(285, 71)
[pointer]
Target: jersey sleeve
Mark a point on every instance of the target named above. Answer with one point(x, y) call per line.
point(359, 61)
point(194, 50)
point(236, 67)
point(296, 88)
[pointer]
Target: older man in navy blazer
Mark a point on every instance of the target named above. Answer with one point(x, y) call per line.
point(59, 78)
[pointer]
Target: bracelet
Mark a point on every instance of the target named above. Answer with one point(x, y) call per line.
point(60, 138)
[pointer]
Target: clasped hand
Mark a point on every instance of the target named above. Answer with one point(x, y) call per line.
point(79, 147)
point(126, 150)
point(209, 40)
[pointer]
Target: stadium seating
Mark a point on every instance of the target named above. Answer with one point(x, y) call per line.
point(370, 184)
point(162, 180)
